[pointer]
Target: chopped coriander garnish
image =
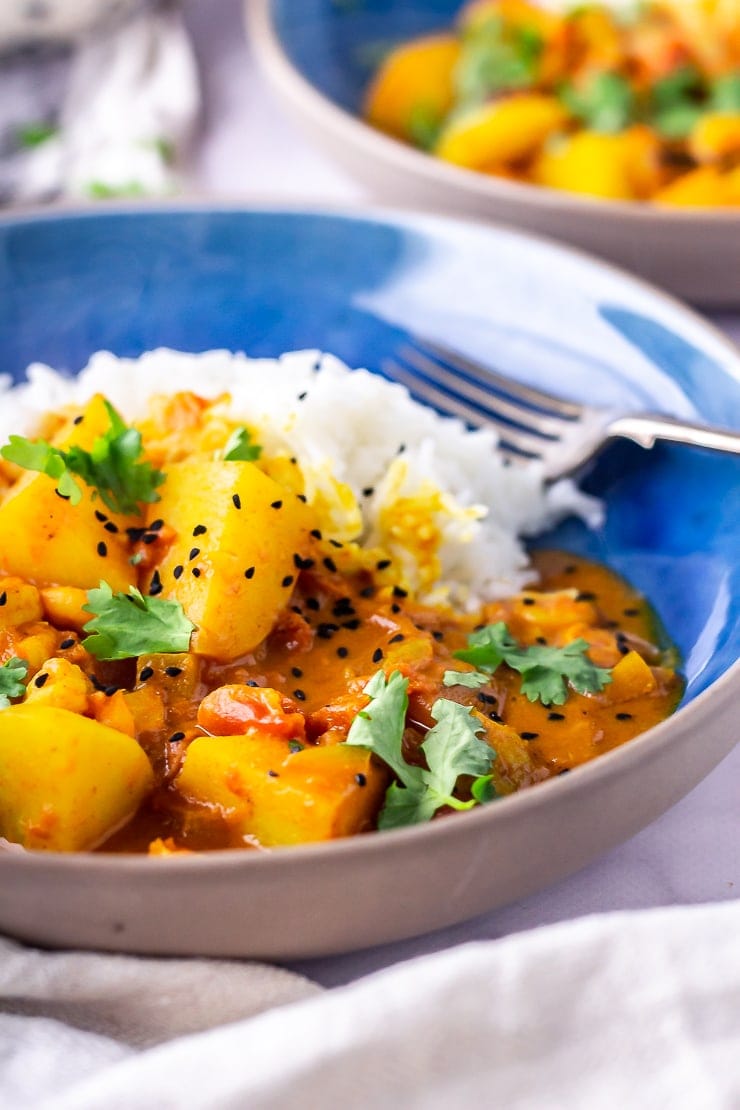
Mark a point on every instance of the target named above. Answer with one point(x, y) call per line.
point(452, 748)
point(127, 625)
point(12, 674)
point(112, 468)
point(545, 671)
point(239, 447)
point(497, 58)
point(606, 104)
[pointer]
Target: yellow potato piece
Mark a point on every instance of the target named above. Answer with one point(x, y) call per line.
point(233, 578)
point(66, 782)
point(416, 79)
point(49, 541)
point(591, 163)
point(631, 678)
point(281, 798)
point(705, 187)
point(20, 603)
point(501, 132)
point(716, 136)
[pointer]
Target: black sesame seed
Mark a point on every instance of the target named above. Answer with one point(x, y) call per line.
point(4, 597)
point(40, 680)
point(382, 564)
point(315, 533)
point(437, 635)
point(149, 537)
point(367, 591)
point(377, 655)
point(194, 553)
point(156, 525)
point(135, 534)
point(494, 716)
point(100, 516)
point(395, 607)
point(342, 652)
point(313, 604)
point(529, 735)
point(66, 644)
point(397, 638)
point(102, 549)
point(111, 527)
point(176, 738)
point(528, 601)
point(78, 419)
point(97, 683)
point(177, 572)
point(237, 500)
point(299, 694)
point(287, 581)
point(586, 595)
point(302, 497)
point(555, 716)
point(155, 586)
point(325, 630)
point(624, 649)
point(252, 682)
point(195, 572)
point(360, 779)
point(487, 699)
point(353, 624)
point(249, 572)
point(330, 564)
point(145, 673)
point(398, 591)
point(109, 691)
point(200, 530)
point(540, 640)
point(368, 491)
point(624, 716)
point(336, 543)
point(296, 672)
point(293, 460)
point(401, 448)
point(302, 396)
point(276, 504)
point(302, 564)
point(172, 672)
point(273, 774)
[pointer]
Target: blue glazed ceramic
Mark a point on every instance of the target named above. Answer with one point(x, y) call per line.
point(269, 281)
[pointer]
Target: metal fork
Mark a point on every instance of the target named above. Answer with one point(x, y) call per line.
point(532, 424)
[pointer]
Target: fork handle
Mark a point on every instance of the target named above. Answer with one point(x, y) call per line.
point(648, 428)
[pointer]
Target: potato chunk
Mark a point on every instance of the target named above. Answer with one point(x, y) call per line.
point(47, 540)
point(232, 565)
point(282, 798)
point(66, 782)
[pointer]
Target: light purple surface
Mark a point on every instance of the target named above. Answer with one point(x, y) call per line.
point(692, 854)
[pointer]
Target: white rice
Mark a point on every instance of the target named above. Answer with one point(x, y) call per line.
point(363, 430)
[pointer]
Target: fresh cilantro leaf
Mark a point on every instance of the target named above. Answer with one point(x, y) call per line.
point(483, 789)
point(452, 748)
point(545, 670)
point(725, 95)
point(678, 122)
point(473, 680)
point(12, 674)
point(497, 58)
point(239, 447)
point(34, 134)
point(127, 625)
point(112, 468)
point(606, 104)
point(678, 102)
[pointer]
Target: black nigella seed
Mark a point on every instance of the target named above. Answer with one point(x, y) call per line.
point(367, 591)
point(249, 572)
point(299, 694)
point(200, 530)
point(302, 564)
point(194, 553)
point(102, 549)
point(293, 460)
point(4, 597)
point(195, 572)
point(145, 673)
point(398, 591)
point(570, 569)
point(330, 564)
point(156, 525)
point(368, 491)
point(135, 534)
point(586, 595)
point(177, 572)
point(109, 691)
point(383, 564)
point(360, 779)
point(631, 612)
point(252, 682)
point(100, 516)
point(97, 683)
point(342, 652)
point(78, 419)
point(64, 496)
point(302, 497)
point(623, 649)
point(237, 500)
point(540, 640)
point(110, 527)
point(273, 774)
point(494, 716)
point(397, 638)
point(326, 630)
point(377, 655)
point(176, 737)
point(437, 635)
point(315, 533)
point(401, 448)
point(40, 680)
point(302, 396)
point(172, 672)
point(313, 604)
point(624, 716)
point(555, 716)
point(336, 543)
point(276, 504)
point(353, 624)
point(529, 735)
point(155, 586)
point(66, 644)
point(296, 672)
point(288, 581)
point(528, 601)
point(395, 607)
point(149, 537)
point(487, 699)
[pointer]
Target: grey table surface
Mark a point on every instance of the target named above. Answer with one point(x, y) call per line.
point(249, 148)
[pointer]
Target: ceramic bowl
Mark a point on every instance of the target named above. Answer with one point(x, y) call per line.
point(319, 55)
point(358, 285)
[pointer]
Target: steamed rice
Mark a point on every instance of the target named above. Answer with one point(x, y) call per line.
point(382, 471)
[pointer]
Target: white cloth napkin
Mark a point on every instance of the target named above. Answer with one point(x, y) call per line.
point(111, 117)
point(622, 1010)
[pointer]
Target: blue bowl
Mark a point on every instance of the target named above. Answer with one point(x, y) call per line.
point(266, 282)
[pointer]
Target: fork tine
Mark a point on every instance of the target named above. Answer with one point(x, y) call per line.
point(521, 442)
point(529, 419)
point(486, 377)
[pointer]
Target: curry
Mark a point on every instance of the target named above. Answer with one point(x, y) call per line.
point(188, 662)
